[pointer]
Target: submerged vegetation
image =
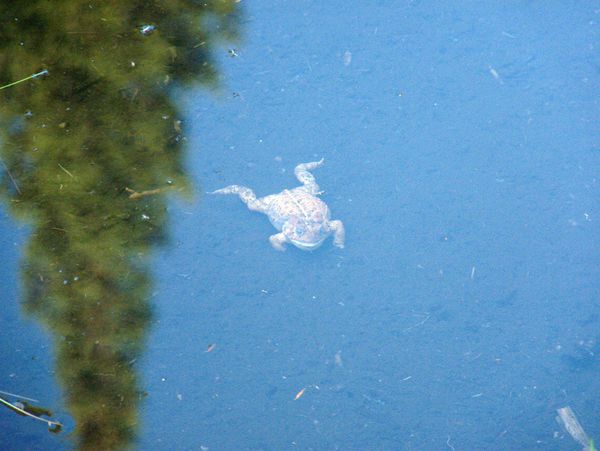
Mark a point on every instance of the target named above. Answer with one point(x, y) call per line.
point(76, 146)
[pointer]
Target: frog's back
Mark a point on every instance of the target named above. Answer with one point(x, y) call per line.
point(296, 203)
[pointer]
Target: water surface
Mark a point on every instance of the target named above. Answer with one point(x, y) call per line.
point(461, 149)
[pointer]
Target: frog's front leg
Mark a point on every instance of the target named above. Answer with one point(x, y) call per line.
point(306, 178)
point(278, 241)
point(339, 234)
point(246, 195)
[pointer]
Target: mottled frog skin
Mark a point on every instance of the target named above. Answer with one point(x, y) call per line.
point(300, 216)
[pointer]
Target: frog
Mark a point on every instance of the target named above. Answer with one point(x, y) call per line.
point(300, 216)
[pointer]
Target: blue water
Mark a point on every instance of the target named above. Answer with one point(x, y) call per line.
point(461, 153)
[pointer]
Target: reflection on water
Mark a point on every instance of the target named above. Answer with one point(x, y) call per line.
point(88, 153)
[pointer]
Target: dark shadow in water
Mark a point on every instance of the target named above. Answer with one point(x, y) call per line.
point(584, 358)
point(76, 147)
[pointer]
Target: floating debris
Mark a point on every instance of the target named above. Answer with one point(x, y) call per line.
point(299, 394)
point(495, 74)
point(39, 74)
point(66, 171)
point(347, 58)
point(26, 409)
point(147, 29)
point(566, 417)
point(337, 358)
point(18, 396)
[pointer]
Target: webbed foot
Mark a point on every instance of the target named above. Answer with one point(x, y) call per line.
point(278, 241)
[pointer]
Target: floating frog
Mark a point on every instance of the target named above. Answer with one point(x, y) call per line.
point(300, 216)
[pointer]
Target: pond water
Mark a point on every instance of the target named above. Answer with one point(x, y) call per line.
point(460, 145)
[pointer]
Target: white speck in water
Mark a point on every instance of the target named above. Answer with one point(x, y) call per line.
point(147, 29)
point(338, 359)
point(347, 57)
point(495, 74)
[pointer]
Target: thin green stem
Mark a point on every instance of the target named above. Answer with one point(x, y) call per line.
point(39, 74)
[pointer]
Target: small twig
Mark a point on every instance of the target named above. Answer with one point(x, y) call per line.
point(39, 74)
point(63, 168)
point(418, 324)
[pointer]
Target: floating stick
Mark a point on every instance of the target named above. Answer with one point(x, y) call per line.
point(566, 417)
point(39, 74)
point(54, 426)
point(17, 396)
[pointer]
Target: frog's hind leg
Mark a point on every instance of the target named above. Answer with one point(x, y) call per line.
point(306, 178)
point(246, 195)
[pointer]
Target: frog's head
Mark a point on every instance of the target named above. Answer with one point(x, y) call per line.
point(304, 235)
